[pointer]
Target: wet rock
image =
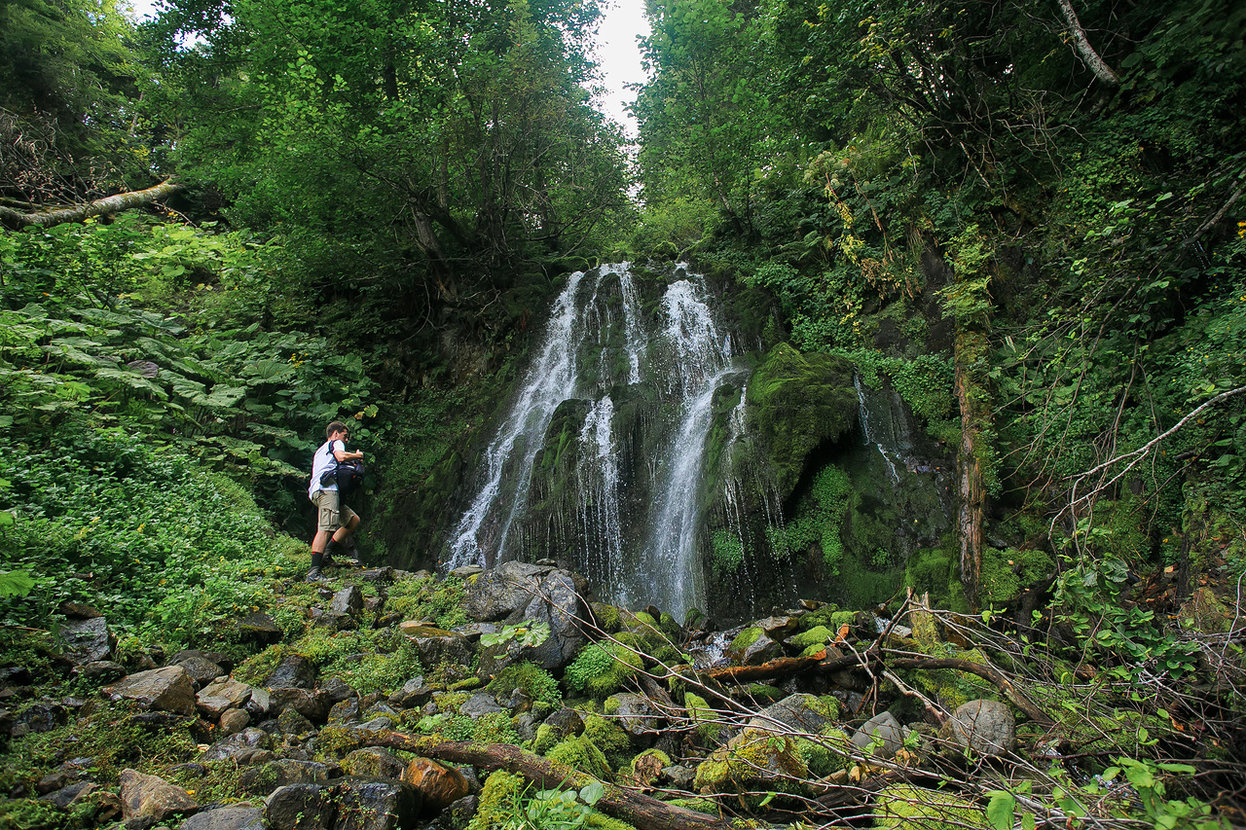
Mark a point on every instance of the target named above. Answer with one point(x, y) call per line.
point(169, 690)
point(415, 692)
point(799, 713)
point(219, 695)
point(436, 645)
point(260, 703)
point(753, 760)
point(262, 779)
point(439, 786)
point(345, 711)
point(334, 690)
point(480, 704)
point(986, 727)
point(201, 670)
point(474, 631)
point(495, 595)
point(378, 723)
point(102, 671)
point(293, 672)
point(374, 762)
point(377, 805)
point(778, 627)
point(305, 702)
point(150, 797)
point(258, 627)
point(86, 640)
point(231, 817)
point(558, 604)
point(348, 600)
point(525, 726)
point(753, 647)
point(635, 714)
point(293, 723)
point(68, 795)
point(565, 722)
point(246, 741)
point(301, 807)
point(493, 659)
point(884, 727)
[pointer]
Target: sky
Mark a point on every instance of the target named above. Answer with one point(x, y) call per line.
point(617, 52)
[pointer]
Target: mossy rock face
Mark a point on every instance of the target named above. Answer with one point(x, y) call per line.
point(499, 801)
point(797, 403)
point(600, 669)
point(753, 760)
point(818, 636)
point(916, 808)
point(579, 752)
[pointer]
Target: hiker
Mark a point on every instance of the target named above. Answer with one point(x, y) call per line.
point(335, 521)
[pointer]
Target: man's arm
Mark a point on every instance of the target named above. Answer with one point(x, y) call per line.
point(343, 454)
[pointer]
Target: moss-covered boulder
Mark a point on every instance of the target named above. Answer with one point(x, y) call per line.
point(579, 752)
point(754, 760)
point(798, 402)
point(601, 669)
point(916, 808)
point(826, 753)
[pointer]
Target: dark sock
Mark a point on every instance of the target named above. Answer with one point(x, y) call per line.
point(317, 559)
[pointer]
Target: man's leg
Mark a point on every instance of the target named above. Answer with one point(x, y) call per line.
point(326, 502)
point(340, 543)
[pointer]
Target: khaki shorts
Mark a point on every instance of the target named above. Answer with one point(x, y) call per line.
point(330, 512)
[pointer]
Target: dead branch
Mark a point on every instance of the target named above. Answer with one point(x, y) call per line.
point(76, 213)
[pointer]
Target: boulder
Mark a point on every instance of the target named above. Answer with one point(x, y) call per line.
point(234, 721)
point(802, 713)
point(439, 785)
point(246, 741)
point(307, 703)
point(415, 692)
point(436, 645)
point(201, 670)
point(636, 715)
point(102, 671)
point(231, 817)
point(168, 690)
point(301, 806)
point(752, 647)
point(753, 760)
point(86, 641)
point(293, 672)
point(374, 762)
point(884, 727)
point(497, 594)
point(149, 797)
point(258, 627)
point(349, 601)
point(262, 779)
point(558, 604)
point(480, 704)
point(219, 695)
point(376, 805)
point(986, 727)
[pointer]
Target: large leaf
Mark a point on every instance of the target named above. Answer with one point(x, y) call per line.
point(222, 397)
point(133, 380)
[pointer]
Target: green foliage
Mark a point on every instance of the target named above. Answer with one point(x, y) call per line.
point(600, 669)
point(529, 635)
point(438, 600)
point(531, 679)
point(819, 517)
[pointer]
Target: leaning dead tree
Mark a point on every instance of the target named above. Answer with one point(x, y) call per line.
point(1085, 51)
point(15, 219)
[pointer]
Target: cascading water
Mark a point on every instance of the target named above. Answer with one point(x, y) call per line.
point(867, 416)
point(637, 532)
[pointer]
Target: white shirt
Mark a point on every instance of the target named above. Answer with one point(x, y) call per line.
point(324, 461)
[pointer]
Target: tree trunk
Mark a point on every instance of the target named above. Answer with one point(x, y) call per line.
point(640, 811)
point(972, 492)
point(76, 213)
point(1087, 52)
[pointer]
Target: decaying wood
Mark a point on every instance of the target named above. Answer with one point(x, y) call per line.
point(1081, 43)
point(641, 811)
point(76, 213)
point(771, 668)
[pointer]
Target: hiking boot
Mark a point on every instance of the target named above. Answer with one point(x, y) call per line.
point(314, 575)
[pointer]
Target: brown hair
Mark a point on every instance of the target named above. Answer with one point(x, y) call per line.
point(336, 426)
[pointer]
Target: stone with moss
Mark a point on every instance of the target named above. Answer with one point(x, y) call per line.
point(607, 617)
point(530, 679)
point(600, 669)
point(579, 752)
point(610, 738)
point(1006, 573)
point(827, 753)
point(819, 636)
point(799, 403)
point(906, 807)
point(499, 801)
point(754, 760)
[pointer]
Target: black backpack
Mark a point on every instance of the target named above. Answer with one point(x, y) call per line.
point(347, 475)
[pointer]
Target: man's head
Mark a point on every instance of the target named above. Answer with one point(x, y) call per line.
point(337, 431)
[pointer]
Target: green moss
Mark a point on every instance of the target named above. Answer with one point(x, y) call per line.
point(598, 821)
point(607, 617)
point(828, 753)
point(906, 807)
point(706, 729)
point(610, 738)
point(798, 403)
point(753, 760)
point(765, 694)
point(600, 669)
point(819, 636)
point(1006, 573)
point(663, 760)
point(579, 752)
point(746, 638)
point(529, 678)
point(702, 805)
point(499, 801)
point(439, 600)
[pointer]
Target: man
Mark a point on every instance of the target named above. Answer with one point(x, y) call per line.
point(335, 522)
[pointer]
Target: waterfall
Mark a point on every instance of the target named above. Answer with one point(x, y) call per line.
point(638, 533)
point(865, 416)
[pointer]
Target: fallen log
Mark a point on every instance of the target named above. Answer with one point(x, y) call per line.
point(984, 670)
point(76, 213)
point(641, 811)
point(780, 666)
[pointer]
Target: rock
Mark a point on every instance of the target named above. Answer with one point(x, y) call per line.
point(803, 713)
point(102, 671)
point(87, 640)
point(986, 727)
point(635, 714)
point(1204, 613)
point(262, 779)
point(78, 610)
point(293, 672)
point(680, 776)
point(301, 807)
point(258, 627)
point(349, 601)
point(377, 805)
point(378, 723)
point(334, 690)
point(374, 762)
point(231, 817)
point(247, 740)
point(52, 781)
point(753, 760)
point(496, 594)
point(885, 726)
point(346, 711)
point(558, 604)
point(436, 645)
point(219, 695)
point(306, 703)
point(67, 795)
point(778, 627)
point(564, 723)
point(169, 690)
point(201, 670)
point(480, 704)
point(752, 647)
point(293, 723)
point(260, 703)
point(42, 716)
point(415, 692)
point(474, 631)
point(234, 721)
point(525, 726)
point(146, 796)
point(493, 659)
point(439, 786)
